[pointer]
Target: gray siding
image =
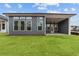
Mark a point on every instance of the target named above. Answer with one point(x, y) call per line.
point(10, 24)
point(34, 27)
point(63, 26)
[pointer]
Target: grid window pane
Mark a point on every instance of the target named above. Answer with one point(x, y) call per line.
point(15, 25)
point(15, 17)
point(3, 25)
point(22, 17)
point(29, 23)
point(22, 25)
point(40, 23)
point(28, 17)
point(39, 17)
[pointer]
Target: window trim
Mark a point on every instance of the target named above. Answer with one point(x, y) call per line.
point(14, 25)
point(26, 24)
point(19, 26)
point(16, 18)
point(22, 18)
point(28, 18)
point(3, 22)
point(37, 23)
point(19, 22)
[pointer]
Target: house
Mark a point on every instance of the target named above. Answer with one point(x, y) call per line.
point(3, 21)
point(75, 30)
point(35, 23)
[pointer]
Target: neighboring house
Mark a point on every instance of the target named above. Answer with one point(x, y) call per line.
point(75, 30)
point(3, 23)
point(36, 23)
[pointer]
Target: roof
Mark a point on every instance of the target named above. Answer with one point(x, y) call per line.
point(41, 13)
point(3, 17)
point(50, 15)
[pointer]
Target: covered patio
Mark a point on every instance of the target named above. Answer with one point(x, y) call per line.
point(58, 23)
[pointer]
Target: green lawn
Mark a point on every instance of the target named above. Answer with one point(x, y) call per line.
point(54, 45)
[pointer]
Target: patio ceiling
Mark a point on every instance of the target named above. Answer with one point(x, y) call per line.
point(55, 18)
point(59, 15)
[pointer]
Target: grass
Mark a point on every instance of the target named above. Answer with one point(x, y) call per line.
point(53, 45)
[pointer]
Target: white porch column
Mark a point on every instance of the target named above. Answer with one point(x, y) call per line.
point(1, 25)
point(69, 27)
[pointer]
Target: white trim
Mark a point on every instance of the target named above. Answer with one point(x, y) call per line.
point(1, 26)
point(8, 24)
point(13, 25)
point(19, 24)
point(31, 24)
point(3, 22)
point(20, 19)
point(24, 25)
point(5, 26)
point(15, 17)
point(69, 27)
point(13, 22)
point(3, 30)
point(29, 17)
point(42, 23)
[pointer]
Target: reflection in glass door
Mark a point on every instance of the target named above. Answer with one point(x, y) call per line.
point(52, 28)
point(49, 28)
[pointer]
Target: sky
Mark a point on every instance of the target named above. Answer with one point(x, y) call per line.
point(72, 8)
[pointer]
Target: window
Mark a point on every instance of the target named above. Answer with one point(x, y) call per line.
point(40, 23)
point(15, 25)
point(28, 17)
point(39, 17)
point(15, 17)
point(19, 25)
point(3, 25)
point(22, 18)
point(22, 25)
point(29, 25)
